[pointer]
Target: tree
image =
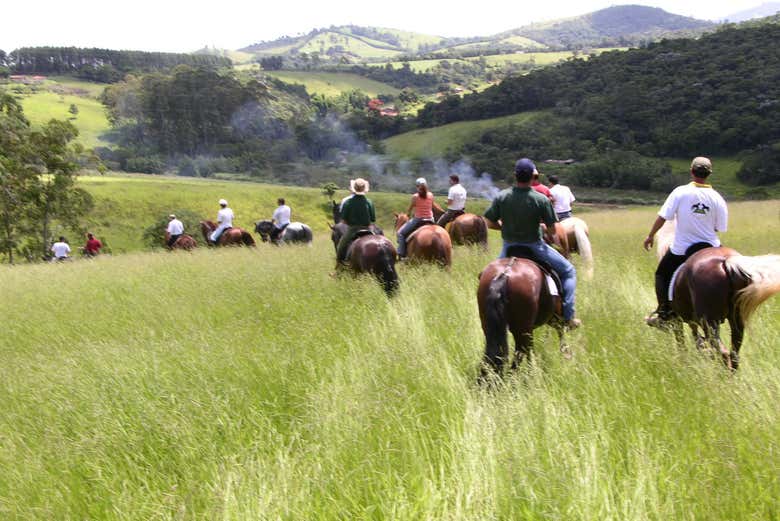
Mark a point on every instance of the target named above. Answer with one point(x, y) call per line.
point(329, 189)
point(74, 110)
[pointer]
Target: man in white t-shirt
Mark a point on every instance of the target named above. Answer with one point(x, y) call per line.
point(280, 218)
point(174, 230)
point(701, 213)
point(562, 198)
point(60, 249)
point(456, 201)
point(224, 219)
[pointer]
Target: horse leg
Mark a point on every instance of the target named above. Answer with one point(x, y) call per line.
point(524, 341)
point(737, 325)
point(712, 334)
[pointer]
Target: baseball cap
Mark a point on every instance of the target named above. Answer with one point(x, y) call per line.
point(222, 202)
point(421, 181)
point(701, 166)
point(525, 165)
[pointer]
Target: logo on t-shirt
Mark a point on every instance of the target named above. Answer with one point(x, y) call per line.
point(700, 208)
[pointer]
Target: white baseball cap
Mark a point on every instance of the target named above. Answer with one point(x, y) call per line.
point(421, 181)
point(222, 202)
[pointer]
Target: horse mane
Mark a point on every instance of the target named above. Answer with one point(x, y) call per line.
point(763, 272)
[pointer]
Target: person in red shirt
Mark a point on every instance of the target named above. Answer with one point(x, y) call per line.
point(93, 246)
point(539, 187)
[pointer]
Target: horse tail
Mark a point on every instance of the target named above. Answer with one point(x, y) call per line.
point(307, 234)
point(247, 238)
point(763, 272)
point(386, 272)
point(495, 315)
point(583, 246)
point(482, 232)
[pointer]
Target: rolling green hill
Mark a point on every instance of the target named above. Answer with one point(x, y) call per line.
point(333, 83)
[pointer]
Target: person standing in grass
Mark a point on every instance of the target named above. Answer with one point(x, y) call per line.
point(280, 218)
point(358, 214)
point(60, 249)
point(174, 231)
point(92, 248)
point(700, 213)
point(224, 219)
point(562, 198)
point(456, 201)
point(517, 212)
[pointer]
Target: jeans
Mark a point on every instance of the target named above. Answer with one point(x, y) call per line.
point(562, 267)
point(563, 215)
point(406, 230)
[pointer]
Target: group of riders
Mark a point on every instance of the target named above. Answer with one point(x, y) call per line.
point(697, 209)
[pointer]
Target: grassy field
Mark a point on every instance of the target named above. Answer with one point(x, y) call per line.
point(333, 83)
point(240, 384)
point(53, 99)
point(361, 46)
point(435, 142)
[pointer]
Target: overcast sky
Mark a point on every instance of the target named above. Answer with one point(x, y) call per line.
point(181, 26)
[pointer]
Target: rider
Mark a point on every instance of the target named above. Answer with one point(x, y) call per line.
point(175, 230)
point(422, 206)
point(225, 220)
point(280, 218)
point(700, 212)
point(61, 249)
point(93, 245)
point(539, 187)
point(562, 198)
point(517, 212)
point(456, 201)
point(358, 214)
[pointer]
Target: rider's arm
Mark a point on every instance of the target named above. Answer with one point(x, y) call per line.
point(659, 221)
point(410, 210)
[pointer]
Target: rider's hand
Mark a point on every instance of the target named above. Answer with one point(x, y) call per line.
point(648, 242)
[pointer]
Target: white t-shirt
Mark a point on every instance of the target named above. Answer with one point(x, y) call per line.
point(563, 198)
point(457, 195)
point(175, 227)
point(225, 217)
point(60, 249)
point(700, 212)
point(282, 216)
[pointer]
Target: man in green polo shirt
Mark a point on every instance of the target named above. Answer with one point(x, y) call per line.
point(358, 214)
point(517, 212)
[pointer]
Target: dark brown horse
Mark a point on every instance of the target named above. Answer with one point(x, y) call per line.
point(184, 242)
point(428, 243)
point(371, 253)
point(514, 294)
point(719, 284)
point(230, 237)
point(468, 229)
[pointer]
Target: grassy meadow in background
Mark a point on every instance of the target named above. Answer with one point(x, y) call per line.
point(247, 384)
point(332, 84)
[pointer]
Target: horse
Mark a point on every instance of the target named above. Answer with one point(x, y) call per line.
point(294, 232)
point(230, 237)
point(184, 242)
point(467, 229)
point(577, 240)
point(719, 284)
point(514, 294)
point(427, 243)
point(370, 253)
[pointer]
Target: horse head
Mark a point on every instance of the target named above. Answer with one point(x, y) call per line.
point(336, 209)
point(399, 219)
point(264, 228)
point(337, 232)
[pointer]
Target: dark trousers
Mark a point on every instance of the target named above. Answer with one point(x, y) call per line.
point(277, 232)
point(345, 241)
point(666, 268)
point(448, 216)
point(172, 240)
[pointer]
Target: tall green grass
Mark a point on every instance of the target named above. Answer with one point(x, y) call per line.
point(247, 384)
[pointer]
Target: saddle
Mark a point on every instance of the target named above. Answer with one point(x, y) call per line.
point(524, 252)
point(693, 248)
point(361, 233)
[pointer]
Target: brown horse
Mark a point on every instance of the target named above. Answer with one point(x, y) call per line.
point(468, 229)
point(513, 293)
point(371, 253)
point(718, 284)
point(576, 240)
point(184, 242)
point(230, 237)
point(427, 243)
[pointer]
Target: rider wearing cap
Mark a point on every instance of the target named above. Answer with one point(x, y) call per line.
point(420, 212)
point(517, 212)
point(701, 213)
point(175, 230)
point(224, 219)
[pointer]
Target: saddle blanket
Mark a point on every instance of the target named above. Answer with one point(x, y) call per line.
point(551, 285)
point(670, 291)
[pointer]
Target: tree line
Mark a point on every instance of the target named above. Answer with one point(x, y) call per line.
point(104, 65)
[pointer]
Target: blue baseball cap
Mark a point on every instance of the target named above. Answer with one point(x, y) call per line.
point(525, 165)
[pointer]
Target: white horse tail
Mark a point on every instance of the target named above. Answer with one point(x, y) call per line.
point(665, 238)
point(583, 246)
point(764, 275)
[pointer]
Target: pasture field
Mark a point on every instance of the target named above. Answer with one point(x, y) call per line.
point(247, 384)
point(332, 84)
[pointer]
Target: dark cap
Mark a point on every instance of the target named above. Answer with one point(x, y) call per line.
point(525, 165)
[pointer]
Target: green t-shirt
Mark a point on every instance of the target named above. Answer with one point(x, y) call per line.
point(520, 211)
point(358, 210)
